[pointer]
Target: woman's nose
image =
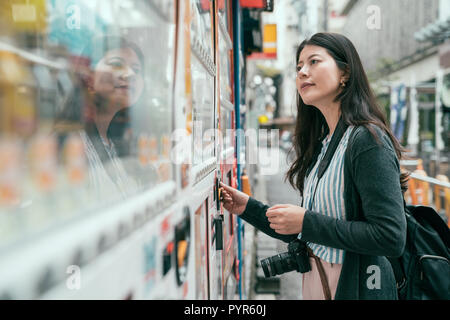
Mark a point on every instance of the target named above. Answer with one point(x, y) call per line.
point(128, 73)
point(303, 72)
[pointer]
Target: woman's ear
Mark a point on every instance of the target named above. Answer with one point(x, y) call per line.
point(345, 75)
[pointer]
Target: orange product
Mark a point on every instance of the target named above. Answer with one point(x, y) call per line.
point(75, 160)
point(153, 148)
point(143, 154)
point(246, 185)
point(44, 164)
point(18, 96)
point(24, 15)
point(10, 172)
point(165, 143)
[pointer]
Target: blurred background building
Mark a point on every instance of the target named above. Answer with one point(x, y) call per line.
point(405, 49)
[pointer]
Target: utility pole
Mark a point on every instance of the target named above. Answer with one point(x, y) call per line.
point(325, 15)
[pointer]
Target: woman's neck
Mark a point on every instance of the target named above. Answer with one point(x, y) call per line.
point(102, 121)
point(331, 113)
point(103, 118)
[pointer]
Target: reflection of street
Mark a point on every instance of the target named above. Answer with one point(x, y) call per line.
point(278, 191)
point(269, 161)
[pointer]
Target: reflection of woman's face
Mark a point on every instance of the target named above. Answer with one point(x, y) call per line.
point(118, 77)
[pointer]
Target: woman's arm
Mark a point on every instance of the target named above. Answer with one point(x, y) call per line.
point(255, 214)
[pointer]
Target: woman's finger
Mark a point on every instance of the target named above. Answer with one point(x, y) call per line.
point(274, 226)
point(227, 188)
point(278, 229)
point(277, 206)
point(224, 194)
point(273, 213)
point(281, 231)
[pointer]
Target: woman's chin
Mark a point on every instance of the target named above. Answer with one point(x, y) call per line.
point(307, 101)
point(310, 100)
point(122, 102)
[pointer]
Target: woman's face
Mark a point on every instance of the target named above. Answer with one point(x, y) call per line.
point(318, 76)
point(118, 77)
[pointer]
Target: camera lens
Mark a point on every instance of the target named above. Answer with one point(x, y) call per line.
point(278, 264)
point(265, 264)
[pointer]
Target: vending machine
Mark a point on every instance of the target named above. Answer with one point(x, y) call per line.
point(116, 128)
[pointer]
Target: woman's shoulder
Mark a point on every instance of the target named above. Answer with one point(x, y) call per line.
point(367, 137)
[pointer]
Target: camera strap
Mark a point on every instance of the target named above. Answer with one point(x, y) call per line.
point(322, 274)
point(341, 127)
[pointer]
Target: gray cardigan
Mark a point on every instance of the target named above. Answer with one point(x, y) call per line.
point(375, 225)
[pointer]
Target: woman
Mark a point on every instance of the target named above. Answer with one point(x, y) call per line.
point(352, 215)
point(111, 84)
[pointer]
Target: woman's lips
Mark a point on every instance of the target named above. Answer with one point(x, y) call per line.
point(306, 86)
point(124, 88)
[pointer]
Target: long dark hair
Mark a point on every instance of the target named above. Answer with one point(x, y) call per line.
point(358, 108)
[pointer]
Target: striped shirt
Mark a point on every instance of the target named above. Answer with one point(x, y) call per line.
point(107, 180)
point(329, 197)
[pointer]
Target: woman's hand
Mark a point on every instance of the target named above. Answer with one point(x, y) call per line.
point(286, 218)
point(233, 200)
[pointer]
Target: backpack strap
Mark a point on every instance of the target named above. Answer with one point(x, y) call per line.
point(432, 217)
point(399, 273)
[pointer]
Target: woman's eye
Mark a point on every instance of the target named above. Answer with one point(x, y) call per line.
point(298, 68)
point(116, 63)
point(313, 61)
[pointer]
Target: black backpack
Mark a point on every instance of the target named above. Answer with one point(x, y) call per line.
point(423, 271)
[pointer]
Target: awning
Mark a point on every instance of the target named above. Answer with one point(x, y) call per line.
point(436, 32)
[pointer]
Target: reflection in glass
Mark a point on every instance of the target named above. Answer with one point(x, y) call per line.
point(85, 106)
point(111, 82)
point(202, 83)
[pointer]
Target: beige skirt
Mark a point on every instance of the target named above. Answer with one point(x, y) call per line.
point(311, 284)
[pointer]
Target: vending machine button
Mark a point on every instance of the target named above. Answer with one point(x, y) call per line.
point(149, 210)
point(46, 281)
point(78, 258)
point(122, 231)
point(102, 244)
point(138, 220)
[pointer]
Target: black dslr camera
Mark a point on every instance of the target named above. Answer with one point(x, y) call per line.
point(296, 258)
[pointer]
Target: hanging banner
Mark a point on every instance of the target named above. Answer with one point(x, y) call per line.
point(270, 39)
point(269, 44)
point(398, 111)
point(413, 134)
